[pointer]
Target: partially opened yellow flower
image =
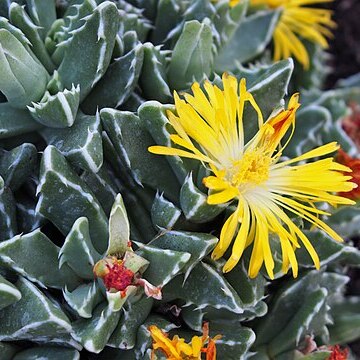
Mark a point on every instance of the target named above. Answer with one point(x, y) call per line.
point(210, 129)
point(299, 19)
point(177, 349)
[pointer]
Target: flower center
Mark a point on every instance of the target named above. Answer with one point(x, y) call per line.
point(251, 170)
point(118, 277)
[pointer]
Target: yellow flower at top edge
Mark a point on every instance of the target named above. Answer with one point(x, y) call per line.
point(298, 19)
point(177, 349)
point(209, 128)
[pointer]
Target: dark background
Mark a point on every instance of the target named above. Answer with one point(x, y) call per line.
point(345, 46)
point(345, 61)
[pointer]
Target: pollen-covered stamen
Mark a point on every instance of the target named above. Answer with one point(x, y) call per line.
point(114, 274)
point(251, 170)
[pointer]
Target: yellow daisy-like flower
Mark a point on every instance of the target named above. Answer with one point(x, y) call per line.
point(298, 19)
point(210, 129)
point(178, 349)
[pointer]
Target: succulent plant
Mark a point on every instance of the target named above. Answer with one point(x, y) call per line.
point(102, 241)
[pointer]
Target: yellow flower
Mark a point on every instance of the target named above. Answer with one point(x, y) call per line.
point(210, 129)
point(298, 19)
point(178, 349)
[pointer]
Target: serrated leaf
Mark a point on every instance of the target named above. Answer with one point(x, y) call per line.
point(81, 144)
point(193, 317)
point(78, 251)
point(250, 291)
point(119, 228)
point(59, 110)
point(345, 221)
point(125, 129)
point(134, 314)
point(17, 165)
point(197, 244)
point(35, 256)
point(249, 40)
point(88, 54)
point(21, 20)
point(33, 317)
point(164, 264)
point(9, 294)
point(164, 213)
point(8, 224)
point(103, 186)
point(43, 13)
point(194, 203)
point(346, 320)
point(291, 312)
point(192, 55)
point(50, 352)
point(95, 332)
point(22, 79)
point(60, 185)
point(143, 341)
point(153, 74)
point(268, 85)
point(235, 341)
point(228, 18)
point(299, 323)
point(152, 114)
point(84, 298)
point(328, 250)
point(118, 83)
point(217, 293)
point(15, 121)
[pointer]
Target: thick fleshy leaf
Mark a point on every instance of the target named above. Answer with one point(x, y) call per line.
point(17, 165)
point(22, 79)
point(197, 244)
point(228, 18)
point(217, 293)
point(59, 110)
point(345, 221)
point(153, 74)
point(88, 53)
point(9, 294)
point(346, 317)
point(125, 129)
point(117, 84)
point(84, 298)
point(143, 341)
point(35, 256)
point(299, 323)
point(15, 121)
point(33, 317)
point(21, 20)
point(81, 144)
point(164, 264)
point(248, 41)
point(192, 56)
point(8, 350)
point(78, 251)
point(60, 185)
point(134, 314)
point(235, 341)
point(103, 186)
point(153, 115)
point(50, 352)
point(95, 332)
point(119, 228)
point(164, 213)
point(329, 250)
point(43, 13)
point(194, 203)
point(8, 224)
